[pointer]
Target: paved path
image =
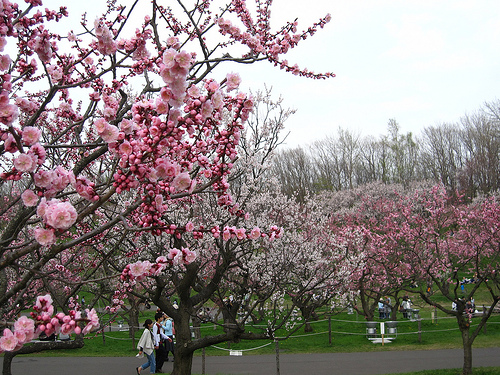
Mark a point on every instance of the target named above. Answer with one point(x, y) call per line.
point(371, 363)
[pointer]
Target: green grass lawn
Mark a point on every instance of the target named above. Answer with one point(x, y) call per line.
point(348, 335)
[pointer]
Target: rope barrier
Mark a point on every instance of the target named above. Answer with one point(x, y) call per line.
point(304, 335)
point(242, 350)
point(117, 338)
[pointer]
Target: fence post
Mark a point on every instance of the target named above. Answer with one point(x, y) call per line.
point(203, 361)
point(484, 313)
point(277, 347)
point(419, 329)
point(330, 330)
point(133, 337)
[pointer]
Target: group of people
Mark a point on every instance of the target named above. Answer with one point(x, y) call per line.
point(156, 342)
point(385, 307)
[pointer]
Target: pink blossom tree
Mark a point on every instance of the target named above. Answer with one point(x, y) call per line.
point(85, 158)
point(364, 218)
point(450, 240)
point(431, 238)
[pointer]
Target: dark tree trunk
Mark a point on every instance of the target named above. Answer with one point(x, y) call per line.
point(308, 314)
point(133, 321)
point(467, 344)
point(183, 354)
point(467, 340)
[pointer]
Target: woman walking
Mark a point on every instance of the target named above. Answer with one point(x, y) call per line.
point(147, 345)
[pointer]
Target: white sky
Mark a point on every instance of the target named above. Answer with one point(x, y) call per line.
point(421, 62)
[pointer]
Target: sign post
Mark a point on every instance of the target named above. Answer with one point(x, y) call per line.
point(382, 331)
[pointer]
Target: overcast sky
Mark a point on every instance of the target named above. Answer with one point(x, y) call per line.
point(421, 62)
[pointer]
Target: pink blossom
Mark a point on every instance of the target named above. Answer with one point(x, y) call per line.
point(125, 148)
point(5, 62)
point(217, 100)
point(213, 86)
point(93, 321)
point(39, 151)
point(61, 215)
point(8, 341)
point(100, 125)
point(169, 58)
point(194, 91)
point(165, 94)
point(166, 169)
point(173, 42)
point(127, 126)
point(184, 59)
point(44, 179)
point(8, 112)
point(42, 206)
point(166, 74)
point(189, 256)
point(175, 256)
point(254, 233)
point(162, 106)
point(21, 338)
point(42, 48)
point(240, 233)
point(140, 268)
point(110, 134)
point(29, 335)
point(189, 226)
point(44, 303)
point(25, 163)
point(24, 324)
point(66, 329)
point(182, 181)
point(161, 259)
point(45, 237)
point(85, 188)
point(206, 109)
point(29, 198)
point(233, 81)
point(226, 235)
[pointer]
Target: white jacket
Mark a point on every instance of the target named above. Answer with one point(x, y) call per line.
point(146, 342)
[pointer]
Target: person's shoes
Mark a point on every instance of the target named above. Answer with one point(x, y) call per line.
point(159, 371)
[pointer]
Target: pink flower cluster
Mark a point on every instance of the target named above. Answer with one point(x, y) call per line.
point(56, 215)
point(136, 45)
point(24, 332)
point(109, 133)
point(260, 40)
point(241, 233)
point(105, 42)
point(173, 71)
point(44, 320)
point(142, 269)
point(8, 111)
